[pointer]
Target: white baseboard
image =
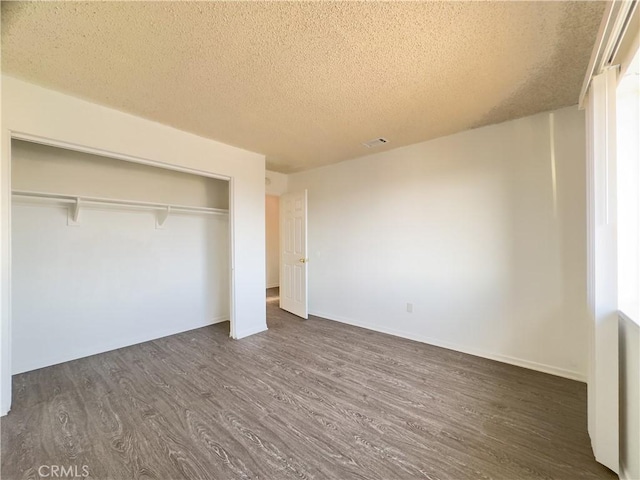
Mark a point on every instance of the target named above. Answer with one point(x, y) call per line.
point(224, 318)
point(251, 331)
point(623, 474)
point(626, 475)
point(519, 362)
point(109, 345)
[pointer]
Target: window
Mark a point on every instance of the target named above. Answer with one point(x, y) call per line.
point(628, 165)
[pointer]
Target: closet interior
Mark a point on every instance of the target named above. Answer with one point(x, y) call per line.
point(108, 253)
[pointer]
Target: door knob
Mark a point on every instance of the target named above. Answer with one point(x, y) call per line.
point(303, 260)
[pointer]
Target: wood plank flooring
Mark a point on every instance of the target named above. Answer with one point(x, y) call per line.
point(306, 400)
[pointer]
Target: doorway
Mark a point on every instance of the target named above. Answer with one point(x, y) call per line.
point(272, 241)
point(272, 249)
point(294, 262)
point(286, 252)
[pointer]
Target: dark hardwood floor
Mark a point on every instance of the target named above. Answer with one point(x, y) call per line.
point(307, 400)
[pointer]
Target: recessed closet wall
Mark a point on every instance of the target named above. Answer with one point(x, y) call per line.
point(117, 276)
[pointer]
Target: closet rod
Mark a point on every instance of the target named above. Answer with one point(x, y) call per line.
point(74, 199)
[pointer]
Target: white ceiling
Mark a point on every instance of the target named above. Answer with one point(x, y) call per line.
point(307, 82)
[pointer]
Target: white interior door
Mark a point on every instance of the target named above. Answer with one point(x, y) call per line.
point(293, 253)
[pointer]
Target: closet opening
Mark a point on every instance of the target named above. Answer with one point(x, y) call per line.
point(107, 253)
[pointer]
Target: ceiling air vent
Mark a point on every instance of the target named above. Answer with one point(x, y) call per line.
point(375, 142)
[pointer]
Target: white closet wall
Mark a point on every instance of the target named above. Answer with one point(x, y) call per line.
point(43, 168)
point(113, 280)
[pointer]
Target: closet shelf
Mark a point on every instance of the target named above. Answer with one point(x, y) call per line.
point(75, 202)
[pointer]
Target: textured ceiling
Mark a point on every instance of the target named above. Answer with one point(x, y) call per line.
point(307, 82)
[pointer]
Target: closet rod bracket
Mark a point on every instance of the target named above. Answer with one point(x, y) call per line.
point(73, 216)
point(162, 216)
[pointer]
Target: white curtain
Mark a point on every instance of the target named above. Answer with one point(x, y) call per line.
point(602, 268)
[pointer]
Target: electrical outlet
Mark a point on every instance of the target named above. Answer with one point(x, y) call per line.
point(410, 307)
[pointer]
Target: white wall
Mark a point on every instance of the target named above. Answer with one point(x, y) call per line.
point(272, 219)
point(276, 183)
point(629, 350)
point(51, 116)
point(48, 169)
point(112, 281)
point(471, 231)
